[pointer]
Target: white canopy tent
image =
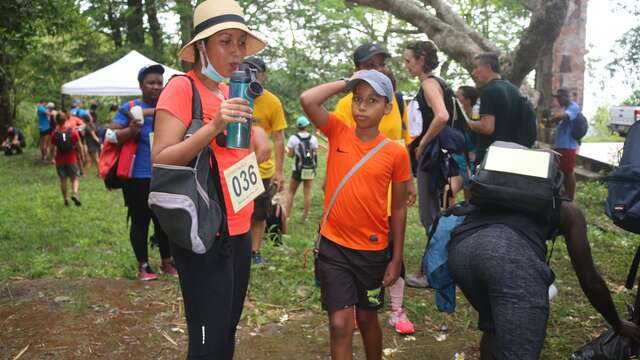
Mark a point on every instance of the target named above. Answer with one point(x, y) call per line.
point(117, 79)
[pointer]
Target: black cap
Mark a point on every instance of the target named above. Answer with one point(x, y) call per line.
point(562, 92)
point(366, 51)
point(256, 63)
point(150, 69)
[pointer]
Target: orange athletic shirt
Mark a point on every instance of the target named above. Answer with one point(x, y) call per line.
point(358, 219)
point(176, 99)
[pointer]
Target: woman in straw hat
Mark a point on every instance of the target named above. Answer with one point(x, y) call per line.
point(213, 285)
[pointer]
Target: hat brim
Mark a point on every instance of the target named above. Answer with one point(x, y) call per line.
point(354, 82)
point(377, 52)
point(254, 43)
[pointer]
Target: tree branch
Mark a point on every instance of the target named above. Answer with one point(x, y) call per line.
point(456, 43)
point(544, 27)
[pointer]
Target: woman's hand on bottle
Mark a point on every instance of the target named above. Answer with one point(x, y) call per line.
point(234, 110)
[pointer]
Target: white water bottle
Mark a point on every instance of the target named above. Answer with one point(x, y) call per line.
point(136, 111)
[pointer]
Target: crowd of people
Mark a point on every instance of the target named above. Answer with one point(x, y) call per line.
point(378, 145)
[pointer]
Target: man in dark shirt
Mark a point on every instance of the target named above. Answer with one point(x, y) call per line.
point(14, 142)
point(500, 104)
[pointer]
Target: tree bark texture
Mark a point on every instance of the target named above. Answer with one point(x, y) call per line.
point(115, 25)
point(185, 9)
point(135, 30)
point(154, 26)
point(458, 40)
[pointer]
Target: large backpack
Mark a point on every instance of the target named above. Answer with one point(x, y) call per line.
point(306, 158)
point(623, 201)
point(579, 127)
point(63, 141)
point(188, 200)
point(526, 131)
point(514, 178)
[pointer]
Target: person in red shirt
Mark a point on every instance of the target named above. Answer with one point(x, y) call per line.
point(352, 261)
point(65, 139)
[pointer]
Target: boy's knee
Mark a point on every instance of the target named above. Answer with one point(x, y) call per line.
point(341, 327)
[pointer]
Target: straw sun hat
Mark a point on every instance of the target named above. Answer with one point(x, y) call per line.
point(212, 16)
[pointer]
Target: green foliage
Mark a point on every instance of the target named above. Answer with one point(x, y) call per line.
point(41, 238)
point(627, 47)
point(633, 99)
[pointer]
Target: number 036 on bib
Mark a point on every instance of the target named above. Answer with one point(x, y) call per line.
point(243, 182)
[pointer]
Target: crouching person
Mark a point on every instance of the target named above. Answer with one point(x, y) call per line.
point(352, 262)
point(498, 261)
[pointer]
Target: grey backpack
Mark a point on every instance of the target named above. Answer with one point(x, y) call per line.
point(188, 200)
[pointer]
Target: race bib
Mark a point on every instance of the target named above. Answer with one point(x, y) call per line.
point(307, 174)
point(243, 182)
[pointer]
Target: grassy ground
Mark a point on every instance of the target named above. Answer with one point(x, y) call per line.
point(41, 238)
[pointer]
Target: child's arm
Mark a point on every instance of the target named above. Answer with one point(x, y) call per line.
point(312, 100)
point(398, 224)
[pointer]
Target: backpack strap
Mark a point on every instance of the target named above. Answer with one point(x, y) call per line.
point(349, 174)
point(400, 100)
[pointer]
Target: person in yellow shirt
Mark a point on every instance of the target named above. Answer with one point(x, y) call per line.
point(269, 115)
point(393, 125)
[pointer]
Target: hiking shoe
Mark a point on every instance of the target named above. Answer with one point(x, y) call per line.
point(257, 259)
point(146, 274)
point(169, 269)
point(401, 323)
point(417, 281)
point(76, 199)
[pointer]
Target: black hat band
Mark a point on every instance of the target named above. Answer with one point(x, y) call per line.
point(215, 21)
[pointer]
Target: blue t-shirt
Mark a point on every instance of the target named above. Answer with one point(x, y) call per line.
point(43, 120)
point(142, 163)
point(79, 112)
point(564, 140)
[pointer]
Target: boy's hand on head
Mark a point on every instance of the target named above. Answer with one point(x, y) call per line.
point(392, 273)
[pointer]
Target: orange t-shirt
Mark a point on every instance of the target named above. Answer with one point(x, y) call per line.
point(358, 219)
point(176, 99)
point(73, 122)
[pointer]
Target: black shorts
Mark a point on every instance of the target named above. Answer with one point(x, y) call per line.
point(68, 171)
point(262, 203)
point(350, 277)
point(45, 132)
point(296, 175)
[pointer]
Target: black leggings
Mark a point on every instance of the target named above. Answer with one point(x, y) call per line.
point(213, 289)
point(136, 194)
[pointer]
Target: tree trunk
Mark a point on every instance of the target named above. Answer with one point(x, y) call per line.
point(135, 30)
point(5, 97)
point(115, 24)
point(462, 43)
point(154, 28)
point(184, 8)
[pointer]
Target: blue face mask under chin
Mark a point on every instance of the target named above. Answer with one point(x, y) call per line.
point(209, 71)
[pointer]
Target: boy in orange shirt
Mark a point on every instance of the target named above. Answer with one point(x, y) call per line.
point(352, 263)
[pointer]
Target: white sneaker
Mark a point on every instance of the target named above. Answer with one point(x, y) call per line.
point(417, 281)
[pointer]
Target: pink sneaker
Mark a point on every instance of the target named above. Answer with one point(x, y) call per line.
point(400, 321)
point(146, 274)
point(169, 269)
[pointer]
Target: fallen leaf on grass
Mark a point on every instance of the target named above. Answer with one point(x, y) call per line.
point(169, 338)
point(177, 330)
point(409, 338)
point(389, 352)
point(283, 319)
point(441, 337)
point(21, 352)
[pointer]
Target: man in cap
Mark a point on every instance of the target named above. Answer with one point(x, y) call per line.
point(565, 144)
point(268, 114)
point(393, 125)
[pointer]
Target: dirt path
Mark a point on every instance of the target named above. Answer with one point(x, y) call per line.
point(124, 319)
